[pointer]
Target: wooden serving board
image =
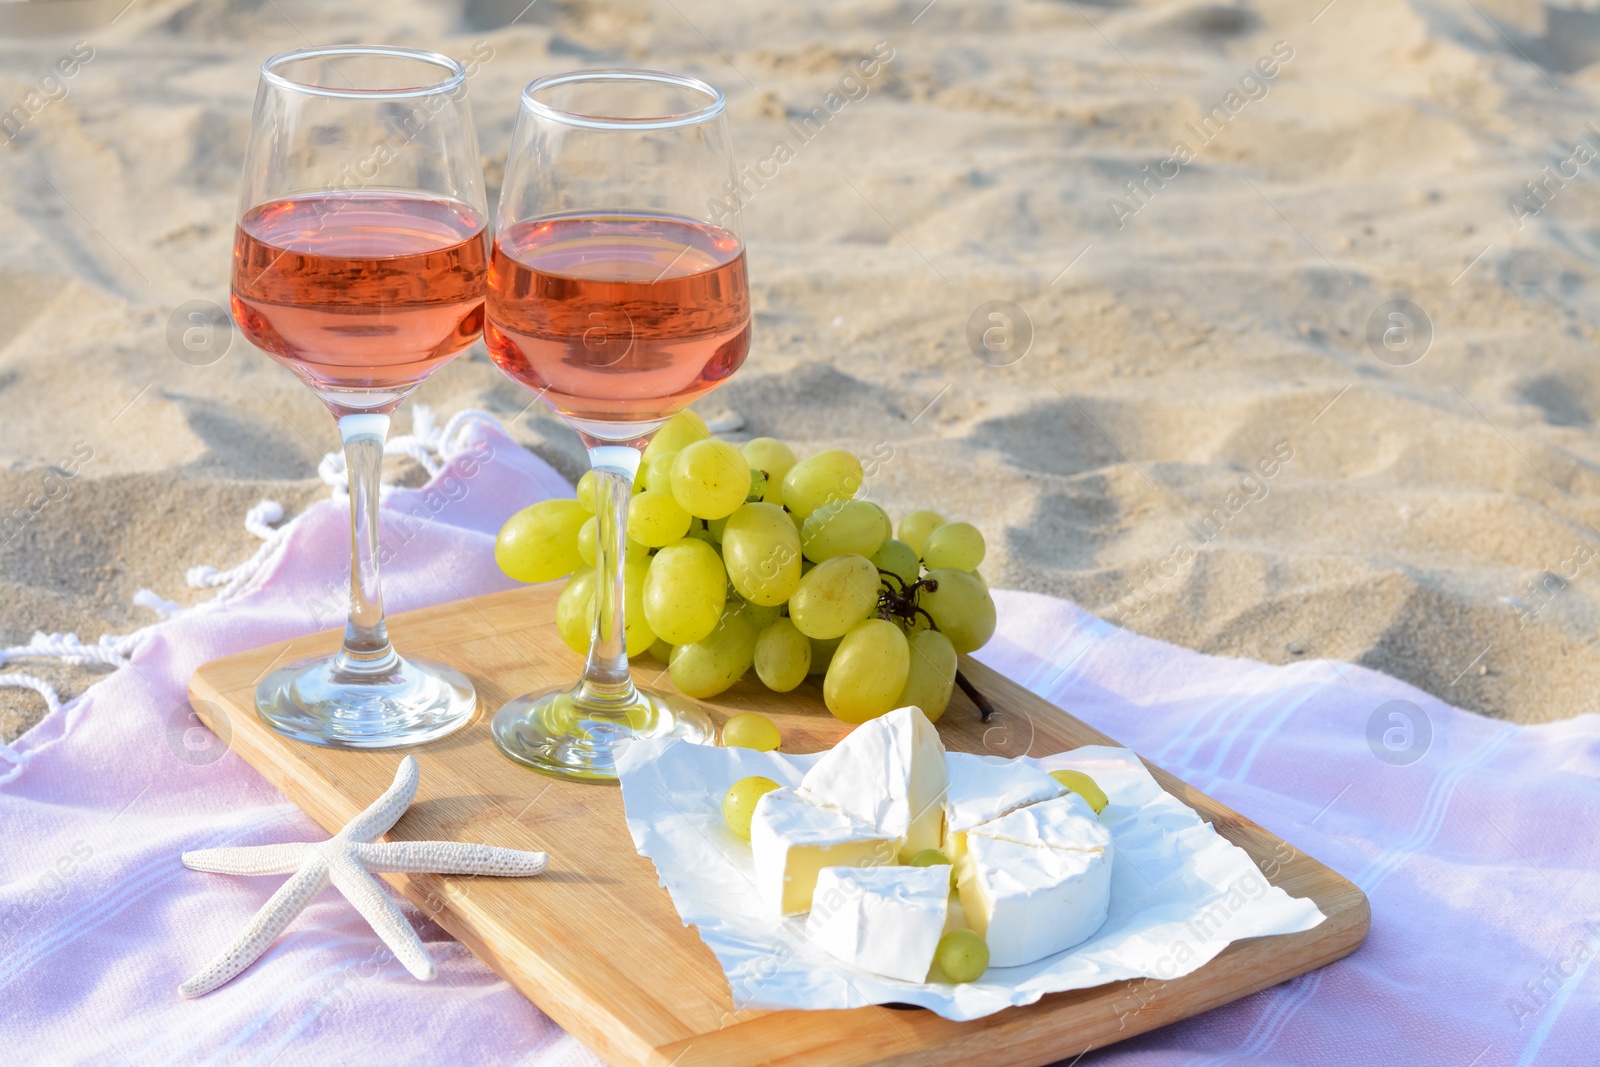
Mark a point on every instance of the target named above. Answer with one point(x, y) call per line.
point(595, 941)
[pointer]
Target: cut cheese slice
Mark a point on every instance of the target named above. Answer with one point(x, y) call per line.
point(887, 920)
point(889, 773)
point(792, 839)
point(1065, 822)
point(1030, 902)
point(982, 788)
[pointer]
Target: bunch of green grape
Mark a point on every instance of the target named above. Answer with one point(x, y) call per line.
point(745, 557)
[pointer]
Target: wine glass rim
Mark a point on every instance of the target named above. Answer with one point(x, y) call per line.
point(456, 77)
point(713, 107)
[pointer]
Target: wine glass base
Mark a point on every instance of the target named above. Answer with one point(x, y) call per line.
point(321, 702)
point(560, 732)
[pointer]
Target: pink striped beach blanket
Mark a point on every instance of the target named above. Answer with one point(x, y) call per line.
point(1475, 840)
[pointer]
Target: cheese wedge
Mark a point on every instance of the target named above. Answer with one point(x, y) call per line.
point(1030, 902)
point(888, 772)
point(887, 920)
point(792, 839)
point(981, 788)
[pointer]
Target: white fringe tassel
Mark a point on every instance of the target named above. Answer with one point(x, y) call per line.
point(428, 444)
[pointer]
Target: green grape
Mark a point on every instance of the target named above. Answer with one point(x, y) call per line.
point(955, 544)
point(758, 487)
point(586, 491)
point(960, 607)
point(821, 479)
point(656, 519)
point(540, 542)
point(932, 857)
point(783, 656)
point(588, 536)
point(821, 654)
point(963, 955)
point(835, 595)
point(685, 591)
point(915, 528)
point(704, 668)
point(761, 550)
point(1085, 787)
point(760, 616)
point(933, 674)
point(637, 634)
point(661, 652)
point(710, 479)
point(981, 579)
point(775, 458)
point(845, 527)
point(739, 803)
point(750, 730)
point(658, 475)
point(700, 530)
point(575, 611)
point(676, 434)
point(899, 559)
point(716, 527)
point(868, 671)
point(587, 533)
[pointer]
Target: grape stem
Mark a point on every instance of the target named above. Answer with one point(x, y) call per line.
point(903, 603)
point(985, 708)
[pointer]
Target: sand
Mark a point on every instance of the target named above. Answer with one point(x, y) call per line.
point(1207, 438)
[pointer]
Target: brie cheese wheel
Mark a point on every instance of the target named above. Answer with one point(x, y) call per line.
point(1037, 880)
point(793, 839)
point(887, 920)
point(889, 772)
point(1030, 902)
point(981, 788)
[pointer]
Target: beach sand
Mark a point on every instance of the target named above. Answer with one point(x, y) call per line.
point(1217, 434)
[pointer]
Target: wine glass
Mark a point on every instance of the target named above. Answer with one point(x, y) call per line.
point(617, 294)
point(359, 264)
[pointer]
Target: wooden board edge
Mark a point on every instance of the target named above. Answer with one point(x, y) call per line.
point(1152, 1004)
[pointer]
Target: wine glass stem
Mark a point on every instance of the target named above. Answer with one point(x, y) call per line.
point(366, 636)
point(605, 676)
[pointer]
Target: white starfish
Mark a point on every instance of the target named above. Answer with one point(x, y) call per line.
point(347, 860)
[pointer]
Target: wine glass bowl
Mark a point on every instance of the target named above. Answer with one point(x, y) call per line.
point(365, 308)
point(615, 290)
point(359, 263)
point(618, 295)
point(617, 320)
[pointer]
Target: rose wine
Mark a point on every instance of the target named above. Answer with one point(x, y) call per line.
point(362, 294)
point(617, 319)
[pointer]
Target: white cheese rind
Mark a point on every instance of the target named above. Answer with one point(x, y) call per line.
point(887, 920)
point(888, 772)
point(793, 839)
point(1030, 902)
point(1065, 822)
point(986, 787)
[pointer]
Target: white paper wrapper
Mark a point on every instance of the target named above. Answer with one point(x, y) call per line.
point(1179, 892)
